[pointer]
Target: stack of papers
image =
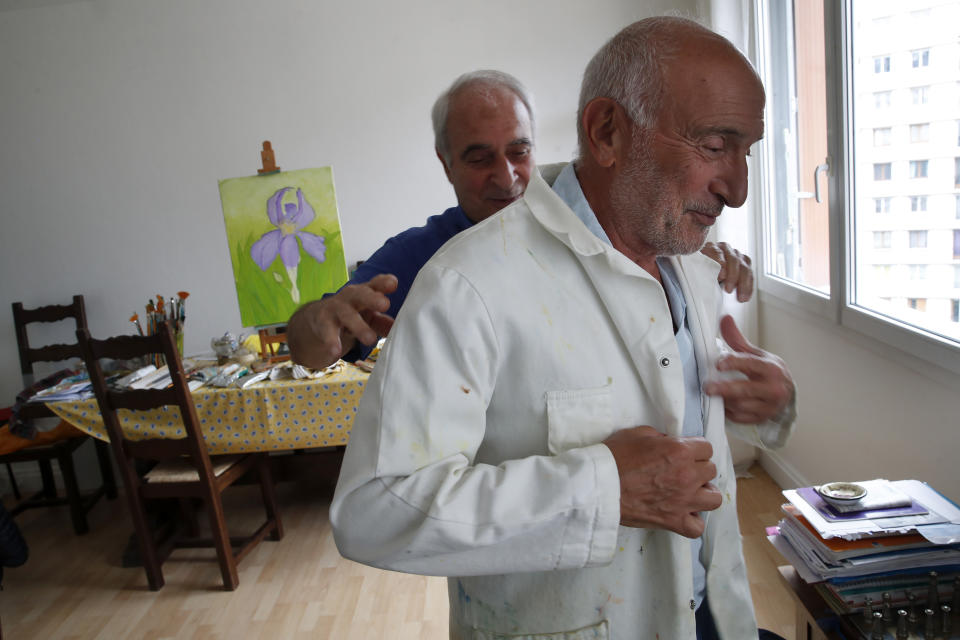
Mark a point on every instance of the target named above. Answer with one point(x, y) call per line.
point(862, 552)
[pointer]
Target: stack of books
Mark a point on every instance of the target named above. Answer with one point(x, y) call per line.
point(890, 547)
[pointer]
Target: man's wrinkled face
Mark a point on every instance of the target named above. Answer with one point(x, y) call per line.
point(680, 174)
point(490, 150)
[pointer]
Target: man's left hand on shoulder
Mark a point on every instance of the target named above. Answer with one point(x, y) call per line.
point(736, 271)
point(767, 388)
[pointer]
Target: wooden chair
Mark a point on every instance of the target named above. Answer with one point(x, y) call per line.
point(57, 444)
point(185, 470)
point(271, 341)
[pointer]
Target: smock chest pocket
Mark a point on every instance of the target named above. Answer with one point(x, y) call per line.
point(578, 418)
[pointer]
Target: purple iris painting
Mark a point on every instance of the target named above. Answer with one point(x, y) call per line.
point(289, 219)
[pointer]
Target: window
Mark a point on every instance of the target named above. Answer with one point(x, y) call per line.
point(881, 137)
point(882, 239)
point(956, 276)
point(847, 264)
point(881, 99)
point(881, 171)
point(955, 310)
point(920, 132)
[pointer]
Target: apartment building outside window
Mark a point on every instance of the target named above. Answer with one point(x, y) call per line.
point(919, 95)
point(882, 205)
point(920, 58)
point(917, 239)
point(918, 203)
point(918, 168)
point(881, 64)
point(881, 99)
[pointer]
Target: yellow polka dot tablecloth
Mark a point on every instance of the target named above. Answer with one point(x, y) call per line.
point(269, 416)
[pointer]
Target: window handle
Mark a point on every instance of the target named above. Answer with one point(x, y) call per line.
point(816, 179)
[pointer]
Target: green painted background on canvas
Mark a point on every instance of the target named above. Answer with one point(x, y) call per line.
point(265, 297)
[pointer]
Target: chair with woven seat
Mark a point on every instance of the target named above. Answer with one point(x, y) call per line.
point(184, 469)
point(57, 444)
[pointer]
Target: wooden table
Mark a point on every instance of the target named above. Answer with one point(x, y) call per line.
point(280, 415)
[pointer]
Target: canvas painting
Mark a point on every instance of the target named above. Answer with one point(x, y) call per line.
point(283, 230)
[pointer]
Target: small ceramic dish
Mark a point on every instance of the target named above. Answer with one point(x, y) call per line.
point(841, 493)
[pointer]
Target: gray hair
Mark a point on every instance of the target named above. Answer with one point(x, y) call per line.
point(629, 68)
point(487, 78)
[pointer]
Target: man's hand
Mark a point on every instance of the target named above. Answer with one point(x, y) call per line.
point(664, 481)
point(735, 270)
point(320, 332)
point(767, 389)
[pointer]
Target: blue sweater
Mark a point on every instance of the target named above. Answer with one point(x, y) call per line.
point(404, 254)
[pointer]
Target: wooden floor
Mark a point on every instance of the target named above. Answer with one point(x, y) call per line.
point(300, 587)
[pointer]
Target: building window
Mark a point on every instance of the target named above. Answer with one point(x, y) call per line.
point(920, 132)
point(920, 304)
point(881, 99)
point(956, 173)
point(882, 239)
point(820, 63)
point(956, 276)
point(920, 58)
point(917, 271)
point(956, 244)
point(955, 310)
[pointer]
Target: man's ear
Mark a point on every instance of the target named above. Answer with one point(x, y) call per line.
point(603, 125)
point(446, 169)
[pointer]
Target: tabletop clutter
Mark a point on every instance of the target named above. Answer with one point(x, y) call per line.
point(885, 555)
point(235, 362)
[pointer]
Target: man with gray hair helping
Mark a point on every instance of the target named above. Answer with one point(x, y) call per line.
point(547, 426)
point(484, 137)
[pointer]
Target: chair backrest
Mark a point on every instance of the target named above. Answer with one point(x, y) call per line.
point(177, 394)
point(270, 344)
point(50, 353)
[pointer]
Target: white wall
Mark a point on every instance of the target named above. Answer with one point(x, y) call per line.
point(865, 410)
point(119, 116)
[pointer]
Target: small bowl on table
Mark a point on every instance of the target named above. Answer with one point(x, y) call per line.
point(841, 494)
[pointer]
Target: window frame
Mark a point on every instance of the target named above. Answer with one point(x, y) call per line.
point(838, 306)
